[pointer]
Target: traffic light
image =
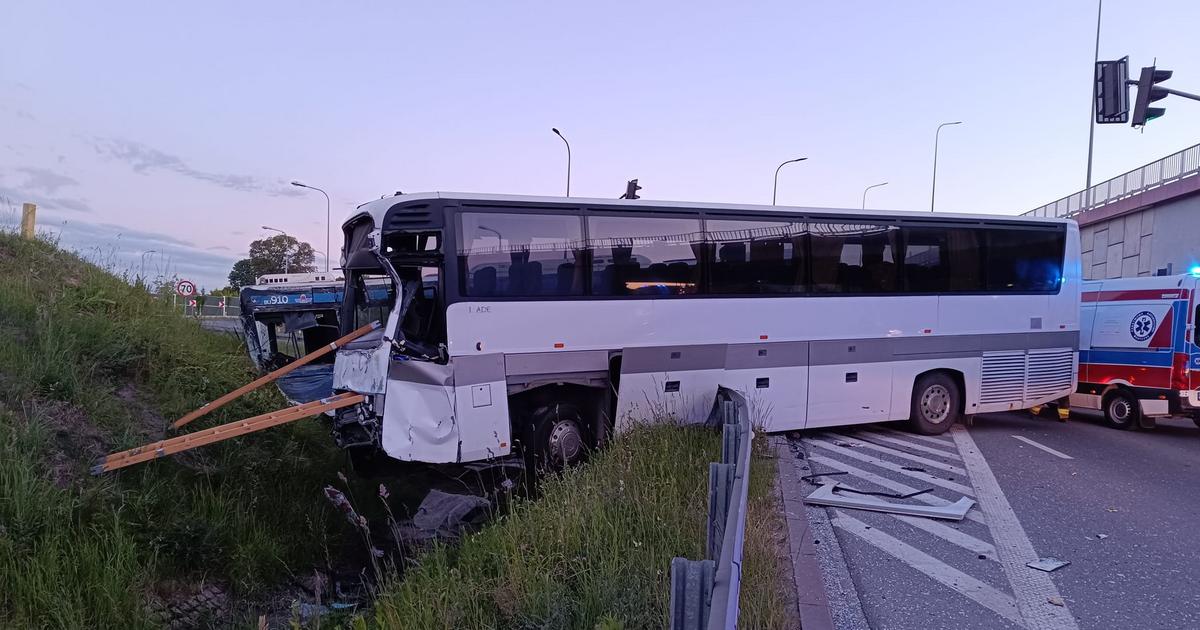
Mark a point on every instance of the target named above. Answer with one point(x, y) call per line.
point(631, 188)
point(1112, 91)
point(1148, 91)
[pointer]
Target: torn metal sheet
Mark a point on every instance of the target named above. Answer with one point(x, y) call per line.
point(1047, 564)
point(826, 495)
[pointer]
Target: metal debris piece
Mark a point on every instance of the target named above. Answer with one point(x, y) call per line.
point(824, 474)
point(1047, 564)
point(887, 495)
point(825, 495)
point(913, 468)
point(1101, 536)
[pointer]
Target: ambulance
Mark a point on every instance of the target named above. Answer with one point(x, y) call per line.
point(1138, 356)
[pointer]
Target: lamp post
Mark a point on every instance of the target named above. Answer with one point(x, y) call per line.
point(499, 238)
point(327, 225)
point(285, 254)
point(864, 203)
point(564, 139)
point(936, 135)
point(142, 268)
point(775, 188)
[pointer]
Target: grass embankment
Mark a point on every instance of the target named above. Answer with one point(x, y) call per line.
point(594, 550)
point(90, 364)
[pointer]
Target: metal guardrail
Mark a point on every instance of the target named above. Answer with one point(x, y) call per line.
point(704, 593)
point(1176, 166)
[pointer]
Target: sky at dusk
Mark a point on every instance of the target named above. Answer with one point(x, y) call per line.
point(155, 126)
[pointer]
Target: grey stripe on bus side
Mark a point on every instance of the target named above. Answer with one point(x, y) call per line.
point(473, 369)
point(846, 351)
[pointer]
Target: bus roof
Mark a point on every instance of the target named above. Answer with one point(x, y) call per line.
point(379, 208)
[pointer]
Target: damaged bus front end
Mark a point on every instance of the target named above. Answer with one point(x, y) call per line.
point(413, 411)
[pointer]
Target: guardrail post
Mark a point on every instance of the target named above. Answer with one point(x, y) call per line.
point(691, 593)
point(720, 491)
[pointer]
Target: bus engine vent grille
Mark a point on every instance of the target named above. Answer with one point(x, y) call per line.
point(1003, 378)
point(1050, 372)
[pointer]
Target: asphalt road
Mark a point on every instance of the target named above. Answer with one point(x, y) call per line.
point(1122, 510)
point(222, 324)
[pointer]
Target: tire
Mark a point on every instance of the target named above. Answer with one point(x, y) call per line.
point(556, 438)
point(1196, 419)
point(1121, 410)
point(936, 404)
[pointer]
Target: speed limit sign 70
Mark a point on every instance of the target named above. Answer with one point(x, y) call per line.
point(185, 288)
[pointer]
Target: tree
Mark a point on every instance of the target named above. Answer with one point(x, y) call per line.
point(272, 255)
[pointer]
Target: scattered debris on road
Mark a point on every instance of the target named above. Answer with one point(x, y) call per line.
point(1056, 600)
point(1047, 564)
point(825, 495)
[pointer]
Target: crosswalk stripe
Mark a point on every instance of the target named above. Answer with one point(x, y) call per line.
point(884, 482)
point(875, 461)
point(874, 435)
point(967, 586)
point(950, 535)
point(901, 454)
point(916, 436)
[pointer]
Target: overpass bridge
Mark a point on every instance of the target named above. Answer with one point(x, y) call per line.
point(1140, 223)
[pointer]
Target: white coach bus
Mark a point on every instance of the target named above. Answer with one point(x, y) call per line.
point(551, 322)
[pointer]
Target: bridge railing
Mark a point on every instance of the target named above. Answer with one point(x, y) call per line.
point(1176, 166)
point(704, 593)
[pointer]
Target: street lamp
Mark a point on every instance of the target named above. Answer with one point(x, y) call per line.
point(327, 225)
point(936, 135)
point(142, 268)
point(499, 238)
point(864, 204)
point(775, 188)
point(564, 139)
point(288, 245)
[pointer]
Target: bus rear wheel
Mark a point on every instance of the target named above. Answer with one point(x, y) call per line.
point(936, 404)
point(1121, 410)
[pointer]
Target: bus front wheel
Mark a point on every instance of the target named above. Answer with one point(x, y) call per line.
point(936, 404)
point(1121, 410)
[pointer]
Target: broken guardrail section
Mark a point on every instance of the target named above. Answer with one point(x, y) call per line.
point(704, 593)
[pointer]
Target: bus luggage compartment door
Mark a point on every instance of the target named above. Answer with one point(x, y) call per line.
point(481, 401)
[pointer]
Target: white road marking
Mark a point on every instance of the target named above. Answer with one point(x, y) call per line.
point(925, 461)
point(969, 587)
point(950, 535)
point(884, 482)
point(1033, 589)
point(916, 436)
point(862, 435)
point(875, 461)
point(1043, 447)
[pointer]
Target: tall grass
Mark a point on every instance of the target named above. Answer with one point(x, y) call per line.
point(594, 550)
point(88, 364)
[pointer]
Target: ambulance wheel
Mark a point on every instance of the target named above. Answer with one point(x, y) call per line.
point(936, 404)
point(1121, 410)
point(556, 438)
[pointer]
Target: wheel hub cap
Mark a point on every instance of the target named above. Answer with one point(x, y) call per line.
point(935, 404)
point(565, 444)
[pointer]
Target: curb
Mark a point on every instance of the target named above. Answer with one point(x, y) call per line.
point(804, 525)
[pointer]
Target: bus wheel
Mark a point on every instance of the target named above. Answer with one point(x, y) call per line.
point(1121, 410)
point(557, 437)
point(936, 404)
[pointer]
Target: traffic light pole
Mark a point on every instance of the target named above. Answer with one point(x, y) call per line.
point(1194, 97)
point(1092, 122)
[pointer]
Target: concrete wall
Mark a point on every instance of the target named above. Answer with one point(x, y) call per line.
point(1143, 241)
